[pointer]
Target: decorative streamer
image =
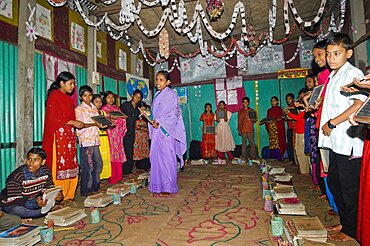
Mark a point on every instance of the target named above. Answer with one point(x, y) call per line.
point(164, 46)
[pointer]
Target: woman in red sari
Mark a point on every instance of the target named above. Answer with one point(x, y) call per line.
point(208, 140)
point(59, 140)
point(276, 130)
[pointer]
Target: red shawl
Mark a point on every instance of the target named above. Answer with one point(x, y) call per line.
point(275, 112)
point(60, 110)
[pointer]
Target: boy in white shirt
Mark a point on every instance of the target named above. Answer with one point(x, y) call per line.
point(345, 142)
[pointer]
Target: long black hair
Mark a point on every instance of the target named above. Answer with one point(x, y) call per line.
point(63, 76)
point(107, 93)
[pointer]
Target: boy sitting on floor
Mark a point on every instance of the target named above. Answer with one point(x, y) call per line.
point(22, 195)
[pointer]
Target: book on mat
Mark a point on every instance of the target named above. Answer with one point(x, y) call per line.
point(309, 226)
point(116, 113)
point(65, 216)
point(122, 189)
point(20, 235)
point(98, 200)
point(101, 119)
point(363, 114)
point(316, 94)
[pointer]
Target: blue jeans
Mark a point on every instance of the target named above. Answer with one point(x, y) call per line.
point(91, 167)
point(23, 212)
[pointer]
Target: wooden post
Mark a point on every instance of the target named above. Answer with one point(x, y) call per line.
point(91, 55)
point(359, 27)
point(25, 85)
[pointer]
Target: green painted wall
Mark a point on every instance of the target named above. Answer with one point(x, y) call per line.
point(8, 95)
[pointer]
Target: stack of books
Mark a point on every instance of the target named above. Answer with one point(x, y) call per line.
point(22, 235)
point(99, 200)
point(138, 183)
point(290, 206)
point(283, 191)
point(122, 189)
point(198, 162)
point(65, 216)
point(276, 170)
point(144, 176)
point(282, 177)
point(309, 228)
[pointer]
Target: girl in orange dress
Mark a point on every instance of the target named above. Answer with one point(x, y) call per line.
point(208, 140)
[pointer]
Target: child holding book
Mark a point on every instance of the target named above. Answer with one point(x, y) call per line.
point(345, 142)
point(25, 186)
point(168, 138)
point(246, 129)
point(289, 98)
point(208, 139)
point(141, 145)
point(104, 142)
point(224, 138)
point(91, 161)
point(115, 136)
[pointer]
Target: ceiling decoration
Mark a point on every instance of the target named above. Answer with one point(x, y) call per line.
point(212, 42)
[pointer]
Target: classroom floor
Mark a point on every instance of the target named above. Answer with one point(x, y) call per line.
point(216, 205)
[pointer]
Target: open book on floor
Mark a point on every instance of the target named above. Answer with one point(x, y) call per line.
point(20, 235)
point(66, 216)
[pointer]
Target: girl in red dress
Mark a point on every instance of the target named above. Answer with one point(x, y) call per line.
point(208, 140)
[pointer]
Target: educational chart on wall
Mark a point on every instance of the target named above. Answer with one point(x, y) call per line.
point(99, 49)
point(305, 53)
point(182, 93)
point(43, 21)
point(137, 83)
point(199, 69)
point(265, 61)
point(6, 8)
point(140, 67)
point(77, 37)
point(122, 60)
point(231, 91)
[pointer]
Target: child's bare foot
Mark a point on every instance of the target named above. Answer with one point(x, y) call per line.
point(323, 196)
point(334, 228)
point(340, 237)
point(331, 212)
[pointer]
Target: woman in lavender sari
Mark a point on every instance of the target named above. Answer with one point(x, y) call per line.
point(168, 138)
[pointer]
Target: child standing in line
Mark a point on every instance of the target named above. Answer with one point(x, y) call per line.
point(168, 138)
point(276, 130)
point(345, 142)
point(224, 138)
point(59, 140)
point(245, 128)
point(91, 161)
point(115, 136)
point(208, 140)
point(289, 98)
point(104, 141)
point(25, 186)
point(141, 145)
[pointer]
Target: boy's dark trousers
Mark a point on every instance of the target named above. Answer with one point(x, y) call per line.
point(128, 145)
point(290, 150)
point(343, 181)
point(91, 167)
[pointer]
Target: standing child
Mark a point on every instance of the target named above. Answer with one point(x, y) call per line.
point(224, 138)
point(130, 108)
point(25, 186)
point(245, 128)
point(91, 161)
point(104, 141)
point(208, 140)
point(59, 140)
point(289, 98)
point(115, 136)
point(168, 137)
point(141, 145)
point(345, 142)
point(276, 130)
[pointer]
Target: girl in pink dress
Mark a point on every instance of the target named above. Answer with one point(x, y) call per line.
point(115, 136)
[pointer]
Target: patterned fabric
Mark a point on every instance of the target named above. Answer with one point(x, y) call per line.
point(59, 111)
point(273, 134)
point(344, 139)
point(88, 136)
point(22, 187)
point(208, 140)
point(363, 218)
point(115, 136)
point(245, 125)
point(224, 138)
point(141, 145)
point(105, 152)
point(313, 148)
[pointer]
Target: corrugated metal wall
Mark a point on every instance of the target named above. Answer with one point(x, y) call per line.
point(110, 85)
point(8, 87)
point(39, 97)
